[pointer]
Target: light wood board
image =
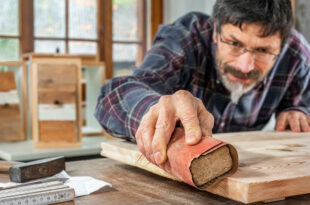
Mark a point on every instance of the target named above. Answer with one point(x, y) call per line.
point(272, 164)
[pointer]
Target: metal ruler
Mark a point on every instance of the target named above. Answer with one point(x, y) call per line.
point(43, 193)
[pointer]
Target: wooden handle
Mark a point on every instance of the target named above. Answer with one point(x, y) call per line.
point(5, 165)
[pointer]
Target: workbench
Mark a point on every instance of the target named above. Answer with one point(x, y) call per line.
point(131, 185)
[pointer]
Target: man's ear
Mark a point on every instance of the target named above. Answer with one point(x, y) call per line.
point(214, 35)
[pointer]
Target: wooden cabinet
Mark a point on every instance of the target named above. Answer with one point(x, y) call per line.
point(56, 102)
point(10, 116)
point(12, 102)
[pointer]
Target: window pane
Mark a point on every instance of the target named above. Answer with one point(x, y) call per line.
point(83, 19)
point(125, 20)
point(9, 17)
point(9, 49)
point(49, 46)
point(49, 18)
point(124, 59)
point(82, 47)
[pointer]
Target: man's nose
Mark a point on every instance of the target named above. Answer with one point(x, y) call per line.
point(245, 62)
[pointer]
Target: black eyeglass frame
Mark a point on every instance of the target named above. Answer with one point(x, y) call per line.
point(244, 49)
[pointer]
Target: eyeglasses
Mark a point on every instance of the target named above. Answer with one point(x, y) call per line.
point(235, 49)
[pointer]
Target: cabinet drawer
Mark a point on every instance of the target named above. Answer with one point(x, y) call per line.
point(58, 131)
point(10, 123)
point(7, 81)
point(57, 75)
point(64, 95)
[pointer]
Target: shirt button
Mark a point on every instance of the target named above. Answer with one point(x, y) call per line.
point(222, 124)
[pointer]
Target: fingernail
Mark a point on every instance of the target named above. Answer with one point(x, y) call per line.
point(158, 158)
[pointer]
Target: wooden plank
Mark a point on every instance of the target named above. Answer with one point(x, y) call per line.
point(33, 87)
point(272, 165)
point(128, 153)
point(12, 63)
point(7, 81)
point(83, 57)
point(24, 86)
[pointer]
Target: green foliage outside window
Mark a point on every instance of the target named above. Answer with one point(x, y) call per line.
point(9, 49)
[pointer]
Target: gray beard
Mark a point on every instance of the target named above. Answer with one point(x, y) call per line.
point(236, 89)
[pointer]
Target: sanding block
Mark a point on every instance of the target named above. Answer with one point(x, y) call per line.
point(202, 164)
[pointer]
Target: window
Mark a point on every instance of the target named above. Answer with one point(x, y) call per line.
point(128, 35)
point(9, 30)
point(89, 28)
point(65, 26)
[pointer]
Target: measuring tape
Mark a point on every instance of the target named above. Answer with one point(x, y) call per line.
point(45, 193)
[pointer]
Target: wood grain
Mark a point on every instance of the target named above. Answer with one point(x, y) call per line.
point(272, 165)
point(7, 81)
point(56, 75)
point(10, 123)
point(61, 131)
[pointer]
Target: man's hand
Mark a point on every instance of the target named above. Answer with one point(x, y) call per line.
point(296, 121)
point(159, 123)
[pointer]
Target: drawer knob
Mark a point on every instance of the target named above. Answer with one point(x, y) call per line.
point(57, 102)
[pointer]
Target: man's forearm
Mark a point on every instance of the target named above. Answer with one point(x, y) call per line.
point(121, 105)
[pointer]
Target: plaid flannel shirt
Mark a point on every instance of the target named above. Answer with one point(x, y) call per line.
point(182, 57)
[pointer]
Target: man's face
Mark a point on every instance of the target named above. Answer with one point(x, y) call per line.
point(243, 57)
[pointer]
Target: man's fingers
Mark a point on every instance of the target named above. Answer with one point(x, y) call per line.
point(145, 133)
point(163, 130)
point(139, 140)
point(305, 125)
point(206, 121)
point(281, 122)
point(294, 121)
point(186, 110)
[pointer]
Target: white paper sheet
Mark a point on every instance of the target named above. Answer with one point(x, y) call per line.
point(82, 185)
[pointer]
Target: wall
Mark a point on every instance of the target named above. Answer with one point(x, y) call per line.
point(176, 8)
point(303, 17)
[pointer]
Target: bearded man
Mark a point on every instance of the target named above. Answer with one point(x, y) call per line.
point(225, 73)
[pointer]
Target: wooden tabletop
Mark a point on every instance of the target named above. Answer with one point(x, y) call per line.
point(131, 185)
